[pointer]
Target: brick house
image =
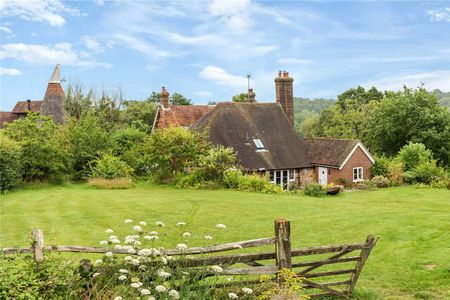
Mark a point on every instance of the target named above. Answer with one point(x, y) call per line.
point(265, 141)
point(52, 105)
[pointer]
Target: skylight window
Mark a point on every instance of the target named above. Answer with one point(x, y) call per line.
point(259, 145)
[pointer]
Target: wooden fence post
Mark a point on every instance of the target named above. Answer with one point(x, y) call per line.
point(365, 252)
point(283, 244)
point(38, 245)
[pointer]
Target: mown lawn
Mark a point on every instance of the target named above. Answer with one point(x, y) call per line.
point(410, 261)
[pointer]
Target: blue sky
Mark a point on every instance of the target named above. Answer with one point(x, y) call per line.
point(204, 49)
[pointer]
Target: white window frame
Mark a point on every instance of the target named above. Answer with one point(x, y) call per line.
point(291, 175)
point(359, 174)
point(258, 144)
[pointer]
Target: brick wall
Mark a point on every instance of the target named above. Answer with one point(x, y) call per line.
point(358, 159)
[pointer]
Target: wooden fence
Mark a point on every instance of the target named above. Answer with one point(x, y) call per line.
point(304, 261)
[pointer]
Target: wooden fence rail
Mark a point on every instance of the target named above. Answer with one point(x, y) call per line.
point(265, 263)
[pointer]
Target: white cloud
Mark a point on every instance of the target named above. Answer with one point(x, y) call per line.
point(432, 80)
point(204, 94)
point(61, 53)
point(221, 77)
point(9, 71)
point(140, 45)
point(293, 61)
point(6, 30)
point(99, 2)
point(92, 44)
point(49, 11)
point(234, 14)
point(439, 15)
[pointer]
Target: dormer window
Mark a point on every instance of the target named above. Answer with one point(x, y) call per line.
point(259, 145)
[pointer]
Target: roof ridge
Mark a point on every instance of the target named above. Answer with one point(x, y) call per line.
point(329, 138)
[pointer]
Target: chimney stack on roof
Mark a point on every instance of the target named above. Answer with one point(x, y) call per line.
point(53, 103)
point(284, 93)
point(251, 96)
point(164, 98)
point(29, 104)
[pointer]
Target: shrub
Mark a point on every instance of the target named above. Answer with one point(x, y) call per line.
point(414, 154)
point(381, 166)
point(231, 178)
point(314, 189)
point(257, 183)
point(380, 181)
point(109, 166)
point(111, 184)
point(440, 183)
point(427, 171)
point(344, 182)
point(396, 172)
point(10, 164)
point(212, 165)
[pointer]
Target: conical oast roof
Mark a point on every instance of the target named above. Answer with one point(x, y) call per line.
point(53, 103)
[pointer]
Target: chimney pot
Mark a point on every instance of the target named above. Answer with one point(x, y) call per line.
point(164, 98)
point(284, 94)
point(279, 73)
point(251, 96)
point(29, 104)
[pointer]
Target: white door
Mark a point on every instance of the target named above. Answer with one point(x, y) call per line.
point(323, 176)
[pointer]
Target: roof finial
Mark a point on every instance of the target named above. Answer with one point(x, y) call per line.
point(55, 75)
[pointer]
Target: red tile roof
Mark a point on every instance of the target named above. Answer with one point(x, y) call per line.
point(22, 107)
point(6, 117)
point(180, 115)
point(328, 151)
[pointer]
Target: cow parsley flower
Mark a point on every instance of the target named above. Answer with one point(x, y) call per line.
point(186, 235)
point(118, 247)
point(163, 274)
point(145, 252)
point(123, 271)
point(137, 243)
point(135, 262)
point(131, 250)
point(151, 237)
point(115, 241)
point(137, 228)
point(127, 221)
point(154, 233)
point(233, 296)
point(109, 254)
point(118, 298)
point(95, 274)
point(247, 290)
point(103, 242)
point(208, 237)
point(109, 230)
point(145, 292)
point(136, 285)
point(181, 247)
point(98, 262)
point(174, 294)
point(127, 258)
point(122, 277)
point(160, 224)
point(142, 223)
point(181, 224)
point(221, 226)
point(151, 298)
point(164, 260)
point(216, 269)
point(160, 289)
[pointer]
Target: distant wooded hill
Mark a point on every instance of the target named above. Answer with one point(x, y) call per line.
point(304, 107)
point(444, 98)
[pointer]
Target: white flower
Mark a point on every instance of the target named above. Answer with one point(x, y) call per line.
point(122, 277)
point(247, 290)
point(151, 237)
point(160, 224)
point(135, 262)
point(142, 223)
point(123, 271)
point(131, 250)
point(118, 298)
point(111, 237)
point(174, 294)
point(109, 230)
point(164, 260)
point(137, 243)
point(186, 235)
point(151, 298)
point(118, 247)
point(181, 224)
point(182, 247)
point(221, 226)
point(232, 296)
point(136, 285)
point(95, 274)
point(208, 237)
point(103, 242)
point(115, 241)
point(145, 292)
point(137, 228)
point(160, 289)
point(145, 252)
point(128, 221)
point(163, 274)
point(217, 269)
point(109, 254)
point(154, 233)
point(127, 258)
point(98, 262)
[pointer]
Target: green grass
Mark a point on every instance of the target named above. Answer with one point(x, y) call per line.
point(413, 224)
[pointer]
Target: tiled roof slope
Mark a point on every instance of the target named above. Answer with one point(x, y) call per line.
point(22, 106)
point(180, 115)
point(328, 151)
point(6, 117)
point(237, 124)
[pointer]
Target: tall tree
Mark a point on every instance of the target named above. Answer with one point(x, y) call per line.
point(242, 97)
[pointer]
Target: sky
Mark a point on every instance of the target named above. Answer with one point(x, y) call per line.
point(205, 49)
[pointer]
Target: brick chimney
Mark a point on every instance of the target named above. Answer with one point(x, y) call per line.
point(284, 93)
point(164, 98)
point(251, 96)
point(53, 103)
point(29, 104)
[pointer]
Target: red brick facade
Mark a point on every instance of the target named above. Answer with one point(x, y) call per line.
point(358, 159)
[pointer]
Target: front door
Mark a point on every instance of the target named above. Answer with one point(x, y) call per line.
point(323, 176)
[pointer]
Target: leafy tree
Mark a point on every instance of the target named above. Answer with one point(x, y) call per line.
point(310, 126)
point(169, 151)
point(139, 114)
point(42, 156)
point(211, 102)
point(10, 163)
point(77, 103)
point(124, 139)
point(409, 116)
point(85, 140)
point(414, 154)
point(178, 99)
point(242, 97)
